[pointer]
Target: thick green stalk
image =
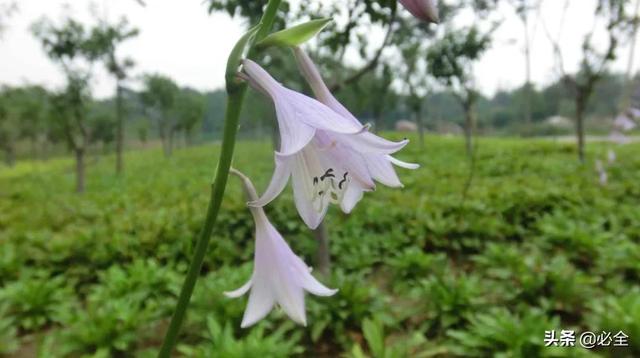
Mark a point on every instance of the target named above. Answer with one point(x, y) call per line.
point(235, 99)
point(234, 105)
point(267, 22)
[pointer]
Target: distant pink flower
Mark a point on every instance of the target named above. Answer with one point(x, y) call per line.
point(624, 123)
point(634, 112)
point(603, 178)
point(426, 10)
point(330, 158)
point(618, 137)
point(279, 276)
point(611, 156)
point(602, 173)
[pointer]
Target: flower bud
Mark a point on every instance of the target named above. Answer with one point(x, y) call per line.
point(426, 10)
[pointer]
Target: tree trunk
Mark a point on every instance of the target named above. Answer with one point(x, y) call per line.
point(170, 142)
point(275, 137)
point(44, 150)
point(418, 114)
point(527, 89)
point(468, 128)
point(119, 131)
point(80, 170)
point(166, 148)
point(323, 255)
point(527, 110)
point(164, 138)
point(34, 148)
point(377, 121)
point(628, 82)
point(44, 147)
point(188, 138)
point(580, 103)
point(10, 155)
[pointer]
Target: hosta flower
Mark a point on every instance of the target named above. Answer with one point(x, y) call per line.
point(330, 157)
point(634, 112)
point(618, 137)
point(611, 156)
point(279, 275)
point(624, 123)
point(602, 173)
point(426, 10)
point(379, 165)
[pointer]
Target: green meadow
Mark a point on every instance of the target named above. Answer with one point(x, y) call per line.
point(457, 263)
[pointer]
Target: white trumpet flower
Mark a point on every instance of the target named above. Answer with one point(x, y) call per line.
point(330, 157)
point(279, 275)
point(602, 173)
point(611, 156)
point(378, 164)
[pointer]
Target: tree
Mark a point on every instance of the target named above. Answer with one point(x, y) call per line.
point(8, 129)
point(594, 63)
point(412, 39)
point(189, 111)
point(626, 96)
point(22, 112)
point(33, 104)
point(7, 9)
point(372, 96)
point(415, 80)
point(159, 97)
point(67, 45)
point(523, 9)
point(103, 44)
point(352, 33)
point(103, 124)
point(142, 130)
point(451, 60)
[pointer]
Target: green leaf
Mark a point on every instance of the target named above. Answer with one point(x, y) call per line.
point(237, 53)
point(317, 329)
point(295, 35)
point(374, 335)
point(356, 352)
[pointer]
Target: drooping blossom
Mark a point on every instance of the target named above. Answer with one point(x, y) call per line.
point(379, 165)
point(623, 123)
point(426, 10)
point(611, 156)
point(602, 173)
point(618, 137)
point(330, 157)
point(279, 275)
point(634, 112)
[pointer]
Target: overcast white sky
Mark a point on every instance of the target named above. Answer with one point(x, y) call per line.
point(179, 39)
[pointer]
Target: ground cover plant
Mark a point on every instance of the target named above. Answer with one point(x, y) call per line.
point(537, 244)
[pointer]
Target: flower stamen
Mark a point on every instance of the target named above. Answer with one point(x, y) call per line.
point(328, 189)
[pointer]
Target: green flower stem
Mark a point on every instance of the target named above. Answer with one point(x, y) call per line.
point(267, 22)
point(232, 114)
point(234, 105)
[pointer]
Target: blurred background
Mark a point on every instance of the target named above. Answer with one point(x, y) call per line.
point(518, 79)
point(523, 217)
